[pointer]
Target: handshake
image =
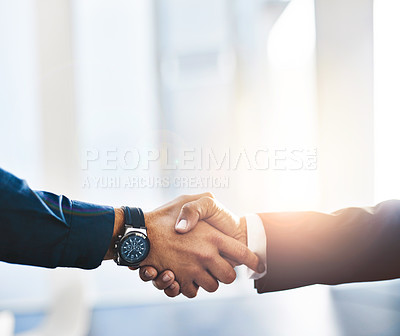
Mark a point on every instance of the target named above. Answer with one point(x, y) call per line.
point(195, 242)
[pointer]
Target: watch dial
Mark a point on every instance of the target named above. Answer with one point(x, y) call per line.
point(134, 248)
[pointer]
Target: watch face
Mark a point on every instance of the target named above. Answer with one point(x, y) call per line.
point(134, 248)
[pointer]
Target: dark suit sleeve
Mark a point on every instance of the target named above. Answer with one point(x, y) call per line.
point(42, 229)
point(350, 245)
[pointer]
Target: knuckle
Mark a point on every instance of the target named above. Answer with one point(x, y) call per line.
point(216, 239)
point(187, 208)
point(205, 257)
point(183, 197)
point(156, 284)
point(209, 194)
point(144, 278)
point(242, 252)
point(171, 294)
point(212, 287)
point(147, 273)
point(168, 273)
point(194, 273)
point(189, 291)
point(229, 276)
point(142, 275)
point(192, 294)
point(209, 201)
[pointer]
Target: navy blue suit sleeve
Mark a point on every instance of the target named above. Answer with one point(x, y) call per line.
point(42, 229)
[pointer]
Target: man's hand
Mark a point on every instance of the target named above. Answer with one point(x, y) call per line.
point(196, 258)
point(208, 209)
point(214, 213)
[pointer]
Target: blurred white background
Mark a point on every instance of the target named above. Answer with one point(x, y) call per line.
point(101, 76)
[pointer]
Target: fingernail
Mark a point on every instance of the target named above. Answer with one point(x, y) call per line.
point(261, 268)
point(166, 278)
point(172, 286)
point(182, 224)
point(147, 274)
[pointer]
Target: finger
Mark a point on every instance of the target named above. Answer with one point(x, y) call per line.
point(189, 289)
point(188, 218)
point(207, 282)
point(190, 198)
point(173, 290)
point(181, 200)
point(238, 252)
point(164, 280)
point(220, 269)
point(231, 262)
point(193, 211)
point(147, 273)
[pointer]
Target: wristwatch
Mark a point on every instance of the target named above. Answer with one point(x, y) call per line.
point(133, 246)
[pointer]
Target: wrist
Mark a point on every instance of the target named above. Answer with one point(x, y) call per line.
point(118, 230)
point(149, 219)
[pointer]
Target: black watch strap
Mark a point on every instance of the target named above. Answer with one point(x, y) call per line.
point(134, 217)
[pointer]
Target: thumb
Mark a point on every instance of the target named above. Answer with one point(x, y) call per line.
point(188, 218)
point(209, 210)
point(205, 208)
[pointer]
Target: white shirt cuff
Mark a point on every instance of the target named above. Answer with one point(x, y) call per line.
point(256, 242)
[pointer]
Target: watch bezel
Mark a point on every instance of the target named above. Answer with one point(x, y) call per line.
point(122, 261)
